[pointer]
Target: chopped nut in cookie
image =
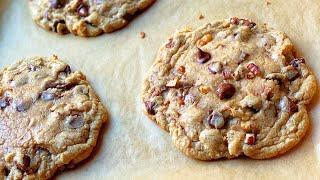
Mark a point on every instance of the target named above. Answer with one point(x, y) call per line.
point(173, 83)
point(288, 105)
point(205, 39)
point(204, 89)
point(244, 92)
point(250, 139)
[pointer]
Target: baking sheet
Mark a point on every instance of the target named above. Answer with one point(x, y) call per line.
point(133, 147)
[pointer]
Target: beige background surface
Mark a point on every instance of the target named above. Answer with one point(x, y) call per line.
point(132, 146)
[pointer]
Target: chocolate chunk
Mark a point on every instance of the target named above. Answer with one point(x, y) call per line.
point(57, 4)
point(253, 68)
point(225, 91)
point(202, 57)
point(150, 107)
point(297, 61)
point(60, 85)
point(216, 120)
point(76, 121)
point(67, 70)
point(22, 105)
point(63, 74)
point(4, 102)
point(24, 166)
point(83, 10)
point(48, 96)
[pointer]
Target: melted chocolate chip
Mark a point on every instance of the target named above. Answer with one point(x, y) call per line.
point(292, 74)
point(22, 105)
point(57, 4)
point(150, 107)
point(32, 67)
point(48, 96)
point(216, 120)
point(5, 102)
point(225, 91)
point(25, 164)
point(76, 121)
point(202, 57)
point(297, 61)
point(83, 10)
point(6, 171)
point(60, 85)
point(67, 70)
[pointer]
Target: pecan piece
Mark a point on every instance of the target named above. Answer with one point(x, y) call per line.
point(250, 139)
point(288, 105)
point(205, 39)
point(253, 68)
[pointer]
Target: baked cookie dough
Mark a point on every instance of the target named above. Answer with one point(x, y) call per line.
point(230, 88)
point(85, 17)
point(50, 118)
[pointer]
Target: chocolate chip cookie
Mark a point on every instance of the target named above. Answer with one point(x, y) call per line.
point(50, 118)
point(85, 17)
point(230, 88)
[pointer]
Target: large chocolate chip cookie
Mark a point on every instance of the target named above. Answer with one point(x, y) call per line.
point(50, 118)
point(230, 88)
point(85, 17)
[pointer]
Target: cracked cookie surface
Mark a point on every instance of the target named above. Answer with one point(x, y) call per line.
point(85, 17)
point(230, 88)
point(50, 118)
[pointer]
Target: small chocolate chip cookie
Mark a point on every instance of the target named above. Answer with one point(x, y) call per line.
point(230, 88)
point(50, 118)
point(85, 17)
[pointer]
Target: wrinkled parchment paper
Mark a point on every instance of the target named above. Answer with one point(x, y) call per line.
point(133, 147)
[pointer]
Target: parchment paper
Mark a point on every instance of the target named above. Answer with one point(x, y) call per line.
point(133, 147)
